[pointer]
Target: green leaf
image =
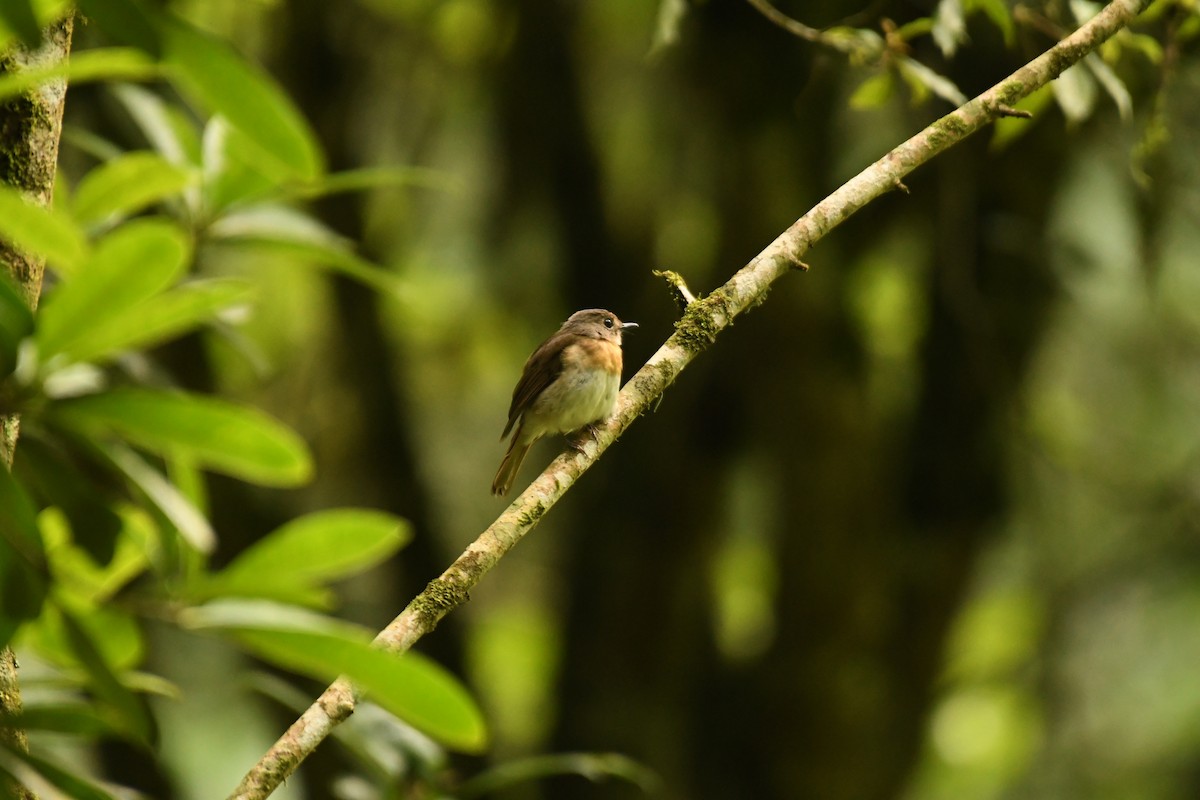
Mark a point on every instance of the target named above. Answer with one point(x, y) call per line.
point(358, 180)
point(874, 91)
point(22, 558)
point(233, 169)
point(160, 318)
point(666, 29)
point(921, 26)
point(862, 45)
point(246, 96)
point(126, 21)
point(192, 525)
point(322, 546)
point(43, 232)
point(75, 718)
point(949, 26)
point(18, 16)
point(131, 264)
point(163, 125)
point(997, 11)
point(1075, 92)
point(127, 184)
point(131, 714)
point(77, 574)
point(922, 80)
point(65, 781)
point(281, 229)
point(114, 634)
point(410, 686)
point(108, 63)
point(1111, 83)
point(237, 440)
point(16, 322)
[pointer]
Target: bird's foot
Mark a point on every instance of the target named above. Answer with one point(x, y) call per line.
point(579, 439)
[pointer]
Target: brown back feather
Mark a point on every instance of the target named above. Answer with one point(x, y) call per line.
point(542, 368)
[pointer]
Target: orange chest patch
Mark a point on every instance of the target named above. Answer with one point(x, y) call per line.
point(592, 354)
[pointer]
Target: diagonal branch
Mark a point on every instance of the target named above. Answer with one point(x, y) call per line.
point(702, 321)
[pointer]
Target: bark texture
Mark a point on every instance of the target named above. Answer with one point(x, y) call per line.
point(30, 127)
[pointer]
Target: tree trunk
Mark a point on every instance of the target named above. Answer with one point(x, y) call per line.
point(30, 126)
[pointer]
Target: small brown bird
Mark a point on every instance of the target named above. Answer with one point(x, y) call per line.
point(569, 383)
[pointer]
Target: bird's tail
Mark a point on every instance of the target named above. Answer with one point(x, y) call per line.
point(510, 465)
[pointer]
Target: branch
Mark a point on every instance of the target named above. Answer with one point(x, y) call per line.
point(792, 26)
point(702, 321)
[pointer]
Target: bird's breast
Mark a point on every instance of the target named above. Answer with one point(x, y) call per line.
point(584, 392)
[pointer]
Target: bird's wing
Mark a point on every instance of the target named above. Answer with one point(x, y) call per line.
point(541, 370)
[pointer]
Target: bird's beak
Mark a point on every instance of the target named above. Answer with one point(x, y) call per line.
point(627, 325)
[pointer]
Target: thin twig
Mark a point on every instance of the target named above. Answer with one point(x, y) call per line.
point(792, 26)
point(1009, 111)
point(703, 320)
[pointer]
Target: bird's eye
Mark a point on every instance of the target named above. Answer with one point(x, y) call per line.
point(608, 323)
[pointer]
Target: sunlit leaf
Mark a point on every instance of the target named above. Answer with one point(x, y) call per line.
point(40, 231)
point(131, 264)
point(921, 80)
point(172, 138)
point(246, 96)
point(874, 91)
point(949, 26)
point(193, 526)
point(862, 45)
point(115, 634)
point(76, 573)
point(1084, 10)
point(322, 546)
point(126, 185)
point(109, 63)
point(272, 222)
point(1113, 85)
point(238, 440)
point(666, 29)
point(914, 28)
point(410, 686)
point(160, 318)
point(1147, 45)
point(285, 230)
point(1075, 92)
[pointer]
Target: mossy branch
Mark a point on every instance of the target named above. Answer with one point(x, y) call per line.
point(701, 323)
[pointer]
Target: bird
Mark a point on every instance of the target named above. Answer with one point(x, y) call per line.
point(569, 383)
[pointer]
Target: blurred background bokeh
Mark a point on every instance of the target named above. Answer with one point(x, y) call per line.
point(924, 525)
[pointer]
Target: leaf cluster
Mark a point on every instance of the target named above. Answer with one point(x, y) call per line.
point(103, 518)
